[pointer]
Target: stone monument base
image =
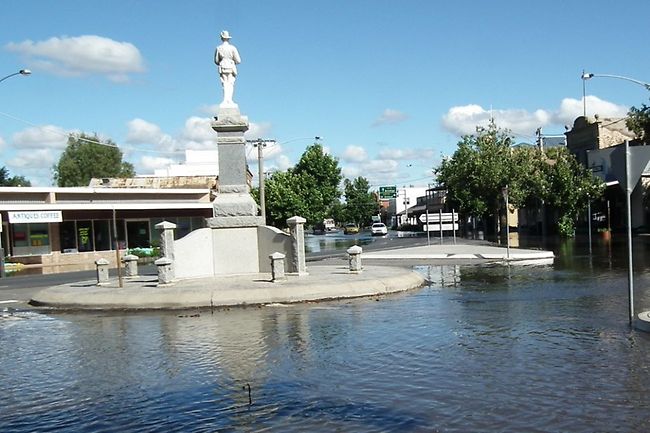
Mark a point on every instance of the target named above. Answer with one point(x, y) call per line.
point(222, 222)
point(234, 205)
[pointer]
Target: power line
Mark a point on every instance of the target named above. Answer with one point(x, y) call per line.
point(53, 130)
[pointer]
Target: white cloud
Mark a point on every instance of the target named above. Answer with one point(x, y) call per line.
point(270, 151)
point(571, 108)
point(354, 154)
point(198, 134)
point(377, 171)
point(351, 171)
point(38, 137)
point(82, 55)
point(405, 154)
point(142, 132)
point(35, 165)
point(381, 166)
point(462, 120)
point(150, 163)
point(2, 143)
point(210, 110)
point(389, 117)
point(258, 130)
point(282, 162)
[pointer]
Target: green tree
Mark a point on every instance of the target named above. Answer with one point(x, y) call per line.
point(484, 163)
point(360, 203)
point(638, 121)
point(318, 177)
point(84, 158)
point(477, 171)
point(6, 180)
point(283, 198)
point(570, 187)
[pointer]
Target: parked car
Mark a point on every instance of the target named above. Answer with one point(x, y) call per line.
point(379, 229)
point(350, 229)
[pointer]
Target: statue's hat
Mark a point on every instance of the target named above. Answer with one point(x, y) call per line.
point(225, 35)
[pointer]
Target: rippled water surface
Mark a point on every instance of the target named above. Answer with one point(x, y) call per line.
point(528, 349)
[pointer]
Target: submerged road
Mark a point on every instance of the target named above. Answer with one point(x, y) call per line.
point(16, 291)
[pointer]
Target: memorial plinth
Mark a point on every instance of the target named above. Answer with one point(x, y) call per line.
point(233, 205)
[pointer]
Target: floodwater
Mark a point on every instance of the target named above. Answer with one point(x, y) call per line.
point(480, 349)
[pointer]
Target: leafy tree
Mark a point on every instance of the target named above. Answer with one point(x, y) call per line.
point(570, 186)
point(283, 198)
point(318, 178)
point(6, 180)
point(360, 203)
point(310, 189)
point(638, 121)
point(477, 171)
point(484, 163)
point(84, 158)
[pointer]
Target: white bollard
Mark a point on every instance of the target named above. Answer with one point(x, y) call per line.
point(102, 271)
point(354, 258)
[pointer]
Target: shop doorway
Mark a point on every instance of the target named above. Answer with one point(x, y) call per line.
point(137, 234)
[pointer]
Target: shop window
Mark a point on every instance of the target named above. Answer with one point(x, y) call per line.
point(138, 234)
point(39, 235)
point(21, 235)
point(121, 234)
point(85, 236)
point(102, 235)
point(68, 237)
point(198, 223)
point(183, 227)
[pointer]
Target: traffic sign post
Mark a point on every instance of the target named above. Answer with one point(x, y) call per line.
point(387, 192)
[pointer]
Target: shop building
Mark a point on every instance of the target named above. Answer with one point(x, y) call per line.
point(65, 229)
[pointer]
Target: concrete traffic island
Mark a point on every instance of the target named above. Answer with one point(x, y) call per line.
point(324, 282)
point(462, 253)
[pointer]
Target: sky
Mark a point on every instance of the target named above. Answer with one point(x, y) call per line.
point(389, 87)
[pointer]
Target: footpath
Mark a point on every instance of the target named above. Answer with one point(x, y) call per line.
point(384, 271)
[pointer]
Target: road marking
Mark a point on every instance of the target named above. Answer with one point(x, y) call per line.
point(10, 301)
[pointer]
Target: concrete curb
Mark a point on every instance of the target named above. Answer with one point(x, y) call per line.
point(324, 282)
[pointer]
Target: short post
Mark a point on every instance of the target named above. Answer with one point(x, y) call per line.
point(166, 239)
point(102, 271)
point(165, 270)
point(167, 247)
point(354, 258)
point(297, 231)
point(277, 266)
point(130, 265)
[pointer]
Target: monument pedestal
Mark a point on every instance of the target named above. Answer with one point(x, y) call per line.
point(235, 222)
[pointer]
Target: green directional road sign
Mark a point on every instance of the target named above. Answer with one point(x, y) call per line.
point(386, 192)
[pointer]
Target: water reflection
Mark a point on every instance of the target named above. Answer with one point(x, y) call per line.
point(495, 348)
point(333, 241)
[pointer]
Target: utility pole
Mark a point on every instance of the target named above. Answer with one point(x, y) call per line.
point(261, 144)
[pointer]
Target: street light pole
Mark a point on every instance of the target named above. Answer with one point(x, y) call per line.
point(2, 251)
point(261, 144)
point(21, 72)
point(584, 94)
point(505, 191)
point(587, 76)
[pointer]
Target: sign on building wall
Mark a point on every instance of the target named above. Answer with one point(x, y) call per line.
point(41, 216)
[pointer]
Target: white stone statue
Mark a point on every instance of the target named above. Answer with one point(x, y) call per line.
point(227, 58)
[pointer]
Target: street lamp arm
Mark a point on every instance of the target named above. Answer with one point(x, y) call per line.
point(21, 72)
point(586, 76)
